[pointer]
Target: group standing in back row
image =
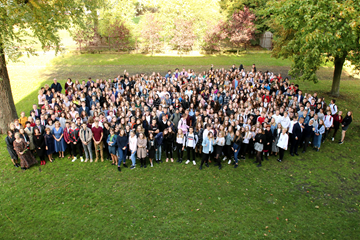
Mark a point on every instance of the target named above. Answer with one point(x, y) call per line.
point(219, 114)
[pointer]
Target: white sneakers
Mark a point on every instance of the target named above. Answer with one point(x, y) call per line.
point(81, 159)
point(224, 158)
point(86, 160)
point(152, 165)
point(229, 162)
point(74, 159)
point(187, 162)
point(91, 160)
point(332, 139)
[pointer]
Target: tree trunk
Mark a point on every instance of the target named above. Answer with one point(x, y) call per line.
point(339, 63)
point(7, 108)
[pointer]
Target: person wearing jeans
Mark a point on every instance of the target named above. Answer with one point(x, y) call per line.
point(159, 141)
point(133, 148)
point(86, 137)
point(237, 147)
point(122, 142)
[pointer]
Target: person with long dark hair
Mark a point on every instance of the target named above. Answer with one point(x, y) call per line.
point(190, 142)
point(267, 141)
point(236, 147)
point(10, 147)
point(345, 125)
point(122, 144)
point(319, 131)
point(259, 146)
point(169, 138)
point(50, 144)
point(40, 146)
point(151, 148)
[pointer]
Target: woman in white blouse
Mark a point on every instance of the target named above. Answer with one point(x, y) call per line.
point(283, 144)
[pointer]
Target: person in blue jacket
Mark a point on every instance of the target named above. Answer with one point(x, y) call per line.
point(159, 138)
point(208, 148)
point(319, 131)
point(111, 141)
point(122, 144)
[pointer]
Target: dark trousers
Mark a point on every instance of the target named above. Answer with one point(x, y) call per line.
point(244, 147)
point(228, 151)
point(179, 150)
point(190, 151)
point(281, 153)
point(205, 158)
point(306, 142)
point(258, 157)
point(294, 145)
point(327, 130)
point(143, 161)
point(168, 150)
point(75, 147)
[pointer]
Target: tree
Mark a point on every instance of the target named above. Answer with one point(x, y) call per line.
point(150, 32)
point(311, 32)
point(23, 20)
point(228, 7)
point(240, 29)
point(118, 35)
point(214, 37)
point(86, 38)
point(183, 35)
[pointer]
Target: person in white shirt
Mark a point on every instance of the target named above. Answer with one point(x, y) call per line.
point(333, 107)
point(190, 142)
point(180, 139)
point(282, 144)
point(328, 122)
point(278, 118)
point(285, 121)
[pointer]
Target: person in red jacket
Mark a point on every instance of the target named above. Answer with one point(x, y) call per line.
point(67, 137)
point(337, 121)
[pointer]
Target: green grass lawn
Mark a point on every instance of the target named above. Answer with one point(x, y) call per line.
point(312, 196)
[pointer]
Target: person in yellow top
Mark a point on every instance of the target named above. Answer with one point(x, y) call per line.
point(23, 119)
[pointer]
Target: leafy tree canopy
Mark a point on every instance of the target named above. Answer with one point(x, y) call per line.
point(310, 30)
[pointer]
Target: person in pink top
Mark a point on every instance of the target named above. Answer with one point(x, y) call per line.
point(133, 148)
point(183, 125)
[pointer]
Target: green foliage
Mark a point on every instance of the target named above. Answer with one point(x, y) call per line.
point(25, 22)
point(199, 12)
point(309, 31)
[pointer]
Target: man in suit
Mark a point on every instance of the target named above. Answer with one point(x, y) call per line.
point(296, 136)
point(84, 108)
point(299, 96)
point(39, 126)
point(36, 111)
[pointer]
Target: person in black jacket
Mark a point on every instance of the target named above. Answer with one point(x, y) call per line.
point(345, 125)
point(40, 146)
point(267, 142)
point(307, 135)
point(162, 123)
point(56, 86)
point(296, 136)
point(151, 148)
point(169, 137)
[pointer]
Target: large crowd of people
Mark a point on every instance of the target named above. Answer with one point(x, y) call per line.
point(219, 115)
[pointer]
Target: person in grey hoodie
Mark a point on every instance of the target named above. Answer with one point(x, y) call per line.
point(175, 118)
